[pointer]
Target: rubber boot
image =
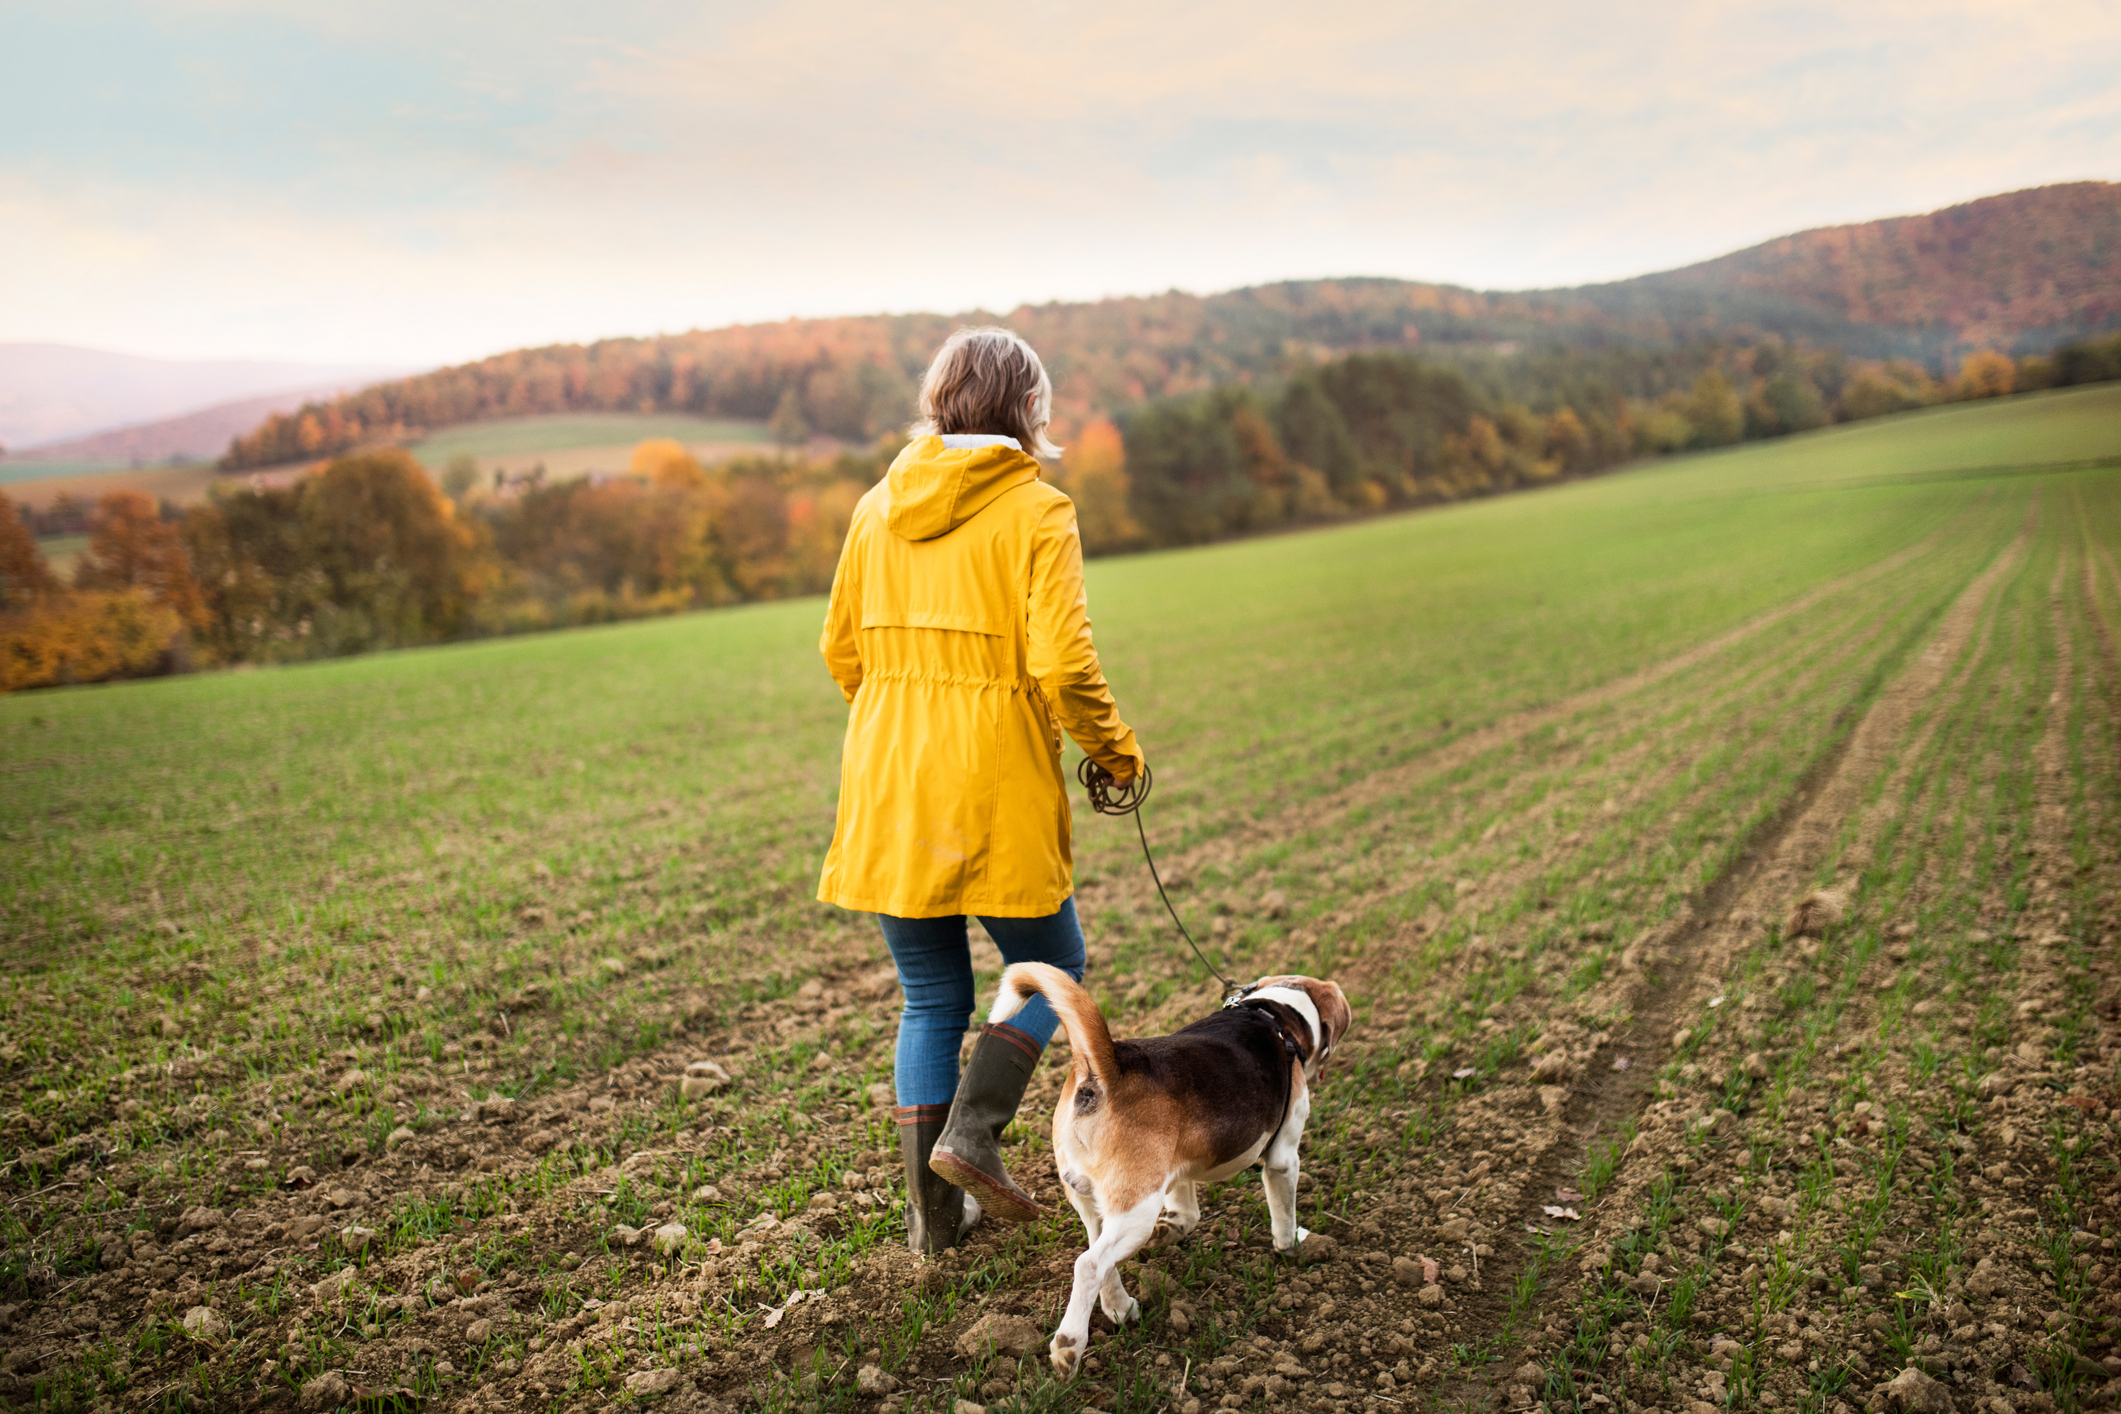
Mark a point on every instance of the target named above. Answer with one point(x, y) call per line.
point(969, 1153)
point(938, 1213)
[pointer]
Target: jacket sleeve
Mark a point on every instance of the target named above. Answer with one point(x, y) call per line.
point(841, 644)
point(1061, 656)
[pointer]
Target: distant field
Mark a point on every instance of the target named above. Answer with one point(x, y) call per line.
point(1537, 778)
point(567, 446)
point(522, 436)
point(15, 469)
point(181, 485)
point(576, 444)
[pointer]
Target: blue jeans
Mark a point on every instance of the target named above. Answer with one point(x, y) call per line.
point(934, 957)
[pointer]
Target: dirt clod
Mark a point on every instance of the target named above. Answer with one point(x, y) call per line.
point(326, 1391)
point(1317, 1248)
point(205, 1323)
point(1916, 1393)
point(999, 1334)
point(1816, 912)
point(647, 1384)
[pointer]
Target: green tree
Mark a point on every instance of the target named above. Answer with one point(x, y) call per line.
point(1713, 407)
point(459, 474)
point(790, 427)
point(1793, 404)
point(397, 565)
point(1314, 434)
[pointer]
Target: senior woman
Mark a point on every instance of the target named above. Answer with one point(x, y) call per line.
point(959, 632)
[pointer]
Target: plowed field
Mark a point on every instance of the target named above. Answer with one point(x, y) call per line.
point(1721, 859)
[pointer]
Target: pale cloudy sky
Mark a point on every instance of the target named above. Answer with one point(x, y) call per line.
point(432, 180)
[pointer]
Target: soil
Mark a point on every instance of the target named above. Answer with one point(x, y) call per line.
point(1753, 1164)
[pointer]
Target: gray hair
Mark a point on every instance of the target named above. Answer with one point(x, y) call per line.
point(988, 380)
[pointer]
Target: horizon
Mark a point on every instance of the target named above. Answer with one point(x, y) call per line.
point(409, 369)
point(249, 180)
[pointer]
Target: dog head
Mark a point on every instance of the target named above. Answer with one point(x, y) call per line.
point(1319, 1005)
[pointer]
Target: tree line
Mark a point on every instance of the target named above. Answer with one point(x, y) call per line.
point(1369, 432)
point(366, 551)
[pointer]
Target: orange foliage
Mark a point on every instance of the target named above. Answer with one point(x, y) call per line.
point(1094, 474)
point(663, 461)
point(77, 638)
point(1985, 374)
point(130, 546)
point(24, 575)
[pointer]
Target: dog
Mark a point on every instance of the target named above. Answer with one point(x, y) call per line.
point(1142, 1123)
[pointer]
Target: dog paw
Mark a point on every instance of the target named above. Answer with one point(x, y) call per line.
point(1301, 1234)
point(1065, 1354)
point(1129, 1310)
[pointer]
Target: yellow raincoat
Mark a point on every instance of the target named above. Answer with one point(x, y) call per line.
point(959, 632)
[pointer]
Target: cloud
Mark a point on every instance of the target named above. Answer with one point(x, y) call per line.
point(401, 181)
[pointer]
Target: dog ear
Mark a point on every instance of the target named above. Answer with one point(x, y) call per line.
point(1334, 1013)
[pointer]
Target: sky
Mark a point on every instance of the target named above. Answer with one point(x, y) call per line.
point(420, 183)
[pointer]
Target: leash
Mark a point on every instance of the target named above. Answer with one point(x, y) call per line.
point(1109, 798)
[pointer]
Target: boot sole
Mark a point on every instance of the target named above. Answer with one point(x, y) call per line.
point(995, 1200)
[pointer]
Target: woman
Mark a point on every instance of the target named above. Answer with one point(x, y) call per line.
point(959, 632)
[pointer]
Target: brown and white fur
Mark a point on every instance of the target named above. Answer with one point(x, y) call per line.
point(1141, 1123)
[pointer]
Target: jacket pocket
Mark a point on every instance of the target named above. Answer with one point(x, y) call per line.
point(1045, 710)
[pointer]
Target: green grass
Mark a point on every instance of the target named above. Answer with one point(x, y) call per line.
point(515, 438)
point(677, 776)
point(512, 866)
point(62, 551)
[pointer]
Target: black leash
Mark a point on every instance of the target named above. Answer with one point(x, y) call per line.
point(1109, 798)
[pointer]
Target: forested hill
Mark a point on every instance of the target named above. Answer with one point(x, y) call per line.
point(2020, 272)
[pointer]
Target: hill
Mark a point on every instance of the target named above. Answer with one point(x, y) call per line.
point(2022, 272)
point(2048, 259)
point(192, 436)
point(55, 392)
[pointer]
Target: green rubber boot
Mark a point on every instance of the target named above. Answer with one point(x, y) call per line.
point(938, 1213)
point(969, 1151)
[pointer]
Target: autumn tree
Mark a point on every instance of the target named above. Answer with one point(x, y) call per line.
point(1985, 374)
point(1570, 442)
point(1094, 474)
point(130, 546)
point(24, 574)
point(663, 461)
point(397, 565)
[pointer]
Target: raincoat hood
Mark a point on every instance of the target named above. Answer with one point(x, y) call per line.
point(936, 486)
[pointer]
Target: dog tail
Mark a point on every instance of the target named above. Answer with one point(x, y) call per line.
point(1085, 1024)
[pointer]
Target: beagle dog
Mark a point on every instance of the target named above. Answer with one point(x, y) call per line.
point(1141, 1123)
